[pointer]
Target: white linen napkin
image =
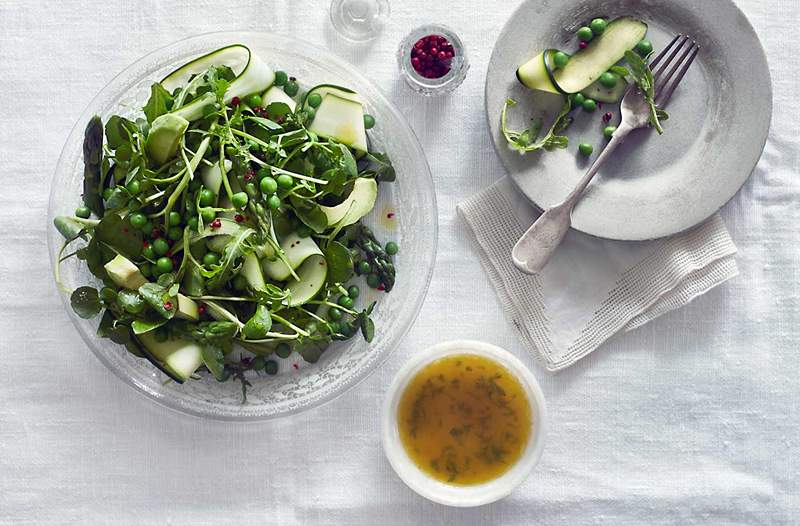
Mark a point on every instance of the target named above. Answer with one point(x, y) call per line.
point(592, 288)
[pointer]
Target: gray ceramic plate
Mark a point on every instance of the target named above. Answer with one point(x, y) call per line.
point(654, 186)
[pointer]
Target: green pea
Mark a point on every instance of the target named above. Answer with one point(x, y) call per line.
point(283, 350)
point(148, 227)
point(560, 59)
point(346, 329)
point(174, 219)
point(208, 215)
point(160, 246)
point(608, 131)
point(310, 114)
point(578, 98)
point(133, 187)
point(392, 248)
point(373, 280)
point(585, 34)
point(274, 202)
point(83, 212)
point(314, 100)
point(608, 79)
point(353, 291)
point(285, 181)
point(164, 265)
point(107, 194)
point(258, 363)
point(148, 252)
point(268, 185)
point(644, 48)
point(598, 25)
point(254, 101)
point(291, 88)
point(334, 314)
point(192, 222)
point(280, 78)
point(239, 199)
point(146, 269)
point(345, 301)
point(137, 220)
point(363, 267)
point(207, 197)
point(175, 233)
point(271, 367)
point(369, 121)
point(585, 148)
point(239, 283)
point(304, 231)
point(589, 105)
point(210, 258)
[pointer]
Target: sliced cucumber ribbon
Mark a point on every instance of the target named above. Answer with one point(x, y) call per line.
point(296, 250)
point(252, 76)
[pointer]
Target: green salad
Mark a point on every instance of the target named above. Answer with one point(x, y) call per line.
point(225, 221)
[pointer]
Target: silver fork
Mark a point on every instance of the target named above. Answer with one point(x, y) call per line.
point(536, 246)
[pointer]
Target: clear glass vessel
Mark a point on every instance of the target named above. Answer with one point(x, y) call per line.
point(405, 212)
point(359, 20)
point(459, 64)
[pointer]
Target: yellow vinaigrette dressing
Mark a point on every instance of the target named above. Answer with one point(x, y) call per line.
point(464, 419)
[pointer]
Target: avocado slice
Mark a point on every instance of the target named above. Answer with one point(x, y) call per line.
point(181, 358)
point(187, 308)
point(358, 204)
point(165, 137)
point(125, 273)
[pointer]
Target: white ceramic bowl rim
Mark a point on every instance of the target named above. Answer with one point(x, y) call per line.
point(448, 494)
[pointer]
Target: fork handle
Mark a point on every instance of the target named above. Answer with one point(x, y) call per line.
point(538, 244)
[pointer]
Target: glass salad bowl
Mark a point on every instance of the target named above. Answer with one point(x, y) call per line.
point(405, 212)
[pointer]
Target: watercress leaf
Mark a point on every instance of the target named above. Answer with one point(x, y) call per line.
point(370, 308)
point(92, 165)
point(92, 254)
point(340, 263)
point(381, 167)
point(119, 198)
point(158, 297)
point(348, 162)
point(310, 214)
point(276, 110)
point(159, 102)
point(120, 235)
point(130, 301)
point(213, 358)
point(367, 328)
point(117, 131)
point(85, 302)
point(259, 324)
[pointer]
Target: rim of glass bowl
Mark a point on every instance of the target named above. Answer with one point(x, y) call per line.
point(127, 80)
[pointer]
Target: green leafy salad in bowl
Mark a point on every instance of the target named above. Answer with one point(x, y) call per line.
point(223, 224)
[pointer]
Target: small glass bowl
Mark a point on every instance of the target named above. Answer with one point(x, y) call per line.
point(459, 64)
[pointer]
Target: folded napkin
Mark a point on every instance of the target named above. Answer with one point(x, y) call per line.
point(592, 288)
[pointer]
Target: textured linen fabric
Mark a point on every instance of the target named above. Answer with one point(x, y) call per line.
point(592, 288)
point(690, 419)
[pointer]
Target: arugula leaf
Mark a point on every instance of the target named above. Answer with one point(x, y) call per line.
point(120, 235)
point(220, 273)
point(340, 263)
point(92, 165)
point(526, 140)
point(265, 123)
point(159, 102)
point(643, 77)
point(85, 302)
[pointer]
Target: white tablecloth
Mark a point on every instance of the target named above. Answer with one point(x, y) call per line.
point(692, 419)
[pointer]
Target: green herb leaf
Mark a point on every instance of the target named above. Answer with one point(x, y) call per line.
point(619, 70)
point(340, 263)
point(312, 216)
point(120, 235)
point(85, 302)
point(159, 102)
point(68, 227)
point(643, 77)
point(119, 198)
point(214, 360)
point(147, 324)
point(157, 296)
point(380, 167)
point(367, 328)
point(526, 140)
point(264, 123)
point(259, 324)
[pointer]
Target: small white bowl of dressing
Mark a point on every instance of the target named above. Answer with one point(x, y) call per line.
point(464, 423)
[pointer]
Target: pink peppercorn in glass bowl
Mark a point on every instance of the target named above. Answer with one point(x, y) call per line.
point(432, 60)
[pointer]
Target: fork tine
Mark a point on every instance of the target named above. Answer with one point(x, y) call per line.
point(664, 51)
point(660, 83)
point(663, 67)
point(664, 92)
